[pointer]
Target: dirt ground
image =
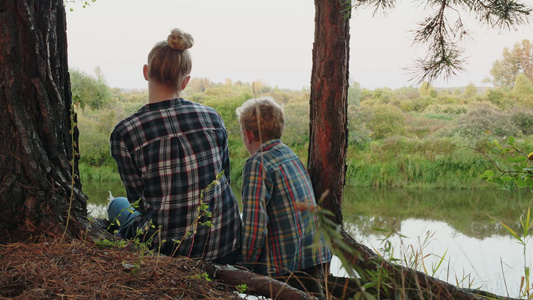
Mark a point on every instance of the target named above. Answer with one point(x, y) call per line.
point(76, 269)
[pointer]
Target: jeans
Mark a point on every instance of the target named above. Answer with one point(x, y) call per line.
point(120, 211)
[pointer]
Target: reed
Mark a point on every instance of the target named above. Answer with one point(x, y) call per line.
point(103, 173)
point(416, 166)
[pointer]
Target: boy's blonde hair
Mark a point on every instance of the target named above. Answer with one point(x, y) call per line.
point(270, 118)
point(169, 62)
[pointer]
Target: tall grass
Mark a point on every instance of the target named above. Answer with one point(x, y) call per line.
point(98, 174)
point(401, 162)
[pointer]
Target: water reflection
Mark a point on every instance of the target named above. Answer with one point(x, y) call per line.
point(494, 263)
point(98, 192)
point(455, 227)
point(470, 212)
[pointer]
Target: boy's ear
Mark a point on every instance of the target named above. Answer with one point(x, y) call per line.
point(250, 136)
point(145, 71)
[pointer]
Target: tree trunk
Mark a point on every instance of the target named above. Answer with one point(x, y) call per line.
point(256, 284)
point(328, 130)
point(327, 167)
point(37, 145)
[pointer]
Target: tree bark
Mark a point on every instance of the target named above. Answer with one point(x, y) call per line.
point(328, 130)
point(37, 147)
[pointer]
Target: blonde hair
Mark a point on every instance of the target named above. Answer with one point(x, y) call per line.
point(169, 62)
point(270, 119)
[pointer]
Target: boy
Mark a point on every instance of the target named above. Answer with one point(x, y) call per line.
point(277, 238)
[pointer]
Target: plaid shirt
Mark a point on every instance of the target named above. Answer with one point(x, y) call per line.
point(167, 153)
point(277, 238)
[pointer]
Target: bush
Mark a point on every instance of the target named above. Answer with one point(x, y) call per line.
point(499, 98)
point(483, 118)
point(449, 109)
point(93, 144)
point(358, 117)
point(523, 119)
point(296, 123)
point(417, 105)
point(387, 120)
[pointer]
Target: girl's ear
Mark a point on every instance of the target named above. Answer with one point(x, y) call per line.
point(185, 82)
point(145, 72)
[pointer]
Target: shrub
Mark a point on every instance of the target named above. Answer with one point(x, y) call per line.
point(358, 118)
point(296, 123)
point(499, 98)
point(387, 120)
point(522, 118)
point(449, 109)
point(482, 118)
point(93, 144)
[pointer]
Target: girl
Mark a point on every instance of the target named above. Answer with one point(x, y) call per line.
point(172, 156)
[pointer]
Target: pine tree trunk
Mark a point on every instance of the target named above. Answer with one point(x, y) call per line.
point(329, 93)
point(36, 144)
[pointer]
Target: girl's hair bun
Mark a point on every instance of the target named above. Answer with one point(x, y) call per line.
point(179, 40)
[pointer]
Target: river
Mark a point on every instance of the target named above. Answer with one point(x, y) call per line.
point(456, 236)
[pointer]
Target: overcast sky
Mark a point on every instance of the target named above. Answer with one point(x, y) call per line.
point(271, 41)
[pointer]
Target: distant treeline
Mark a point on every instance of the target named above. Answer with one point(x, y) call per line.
point(409, 137)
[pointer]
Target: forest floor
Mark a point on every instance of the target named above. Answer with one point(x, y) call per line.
point(77, 269)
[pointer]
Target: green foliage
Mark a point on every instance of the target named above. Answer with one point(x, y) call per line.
point(470, 91)
point(498, 97)
point(101, 174)
point(88, 90)
point(94, 141)
point(522, 118)
point(413, 163)
point(426, 90)
point(105, 243)
point(296, 130)
point(396, 137)
point(523, 90)
point(423, 126)
point(516, 170)
point(506, 70)
point(355, 93)
point(84, 4)
point(241, 288)
point(387, 120)
point(481, 118)
point(383, 95)
point(358, 130)
point(201, 276)
point(447, 109)
point(416, 105)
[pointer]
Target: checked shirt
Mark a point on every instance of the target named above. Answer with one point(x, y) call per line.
point(167, 153)
point(278, 237)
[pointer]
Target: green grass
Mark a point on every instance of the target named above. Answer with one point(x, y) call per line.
point(416, 164)
point(98, 174)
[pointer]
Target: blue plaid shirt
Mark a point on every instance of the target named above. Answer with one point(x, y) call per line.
point(277, 237)
point(167, 153)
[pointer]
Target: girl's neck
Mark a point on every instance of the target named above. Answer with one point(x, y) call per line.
point(158, 93)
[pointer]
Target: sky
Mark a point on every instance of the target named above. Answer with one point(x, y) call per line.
point(267, 41)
